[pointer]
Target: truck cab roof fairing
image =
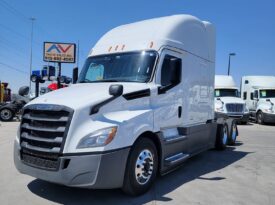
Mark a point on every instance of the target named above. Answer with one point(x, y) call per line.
point(182, 31)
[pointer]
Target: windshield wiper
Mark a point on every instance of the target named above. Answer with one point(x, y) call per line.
point(85, 81)
point(105, 80)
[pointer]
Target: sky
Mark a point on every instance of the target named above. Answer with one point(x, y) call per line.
point(245, 27)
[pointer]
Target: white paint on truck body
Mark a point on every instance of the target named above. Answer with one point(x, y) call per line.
point(183, 36)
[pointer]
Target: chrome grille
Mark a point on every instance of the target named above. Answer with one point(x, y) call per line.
point(43, 133)
point(235, 108)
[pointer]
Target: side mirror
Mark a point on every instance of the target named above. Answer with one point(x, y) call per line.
point(268, 100)
point(175, 66)
point(24, 90)
point(116, 90)
point(75, 75)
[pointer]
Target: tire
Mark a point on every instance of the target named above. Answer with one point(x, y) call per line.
point(260, 118)
point(137, 181)
point(233, 133)
point(221, 136)
point(6, 114)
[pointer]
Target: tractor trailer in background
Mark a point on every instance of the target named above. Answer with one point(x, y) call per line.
point(259, 94)
point(228, 101)
point(143, 105)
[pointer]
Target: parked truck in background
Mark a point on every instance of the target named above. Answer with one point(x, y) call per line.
point(143, 104)
point(228, 100)
point(259, 94)
point(228, 103)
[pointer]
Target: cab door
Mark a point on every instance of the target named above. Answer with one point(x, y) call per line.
point(255, 98)
point(167, 99)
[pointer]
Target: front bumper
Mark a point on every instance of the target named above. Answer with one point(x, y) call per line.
point(228, 115)
point(269, 118)
point(98, 171)
point(245, 117)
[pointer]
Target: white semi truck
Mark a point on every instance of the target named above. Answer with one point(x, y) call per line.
point(228, 101)
point(143, 104)
point(259, 94)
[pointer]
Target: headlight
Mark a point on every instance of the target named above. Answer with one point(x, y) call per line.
point(219, 109)
point(246, 109)
point(98, 138)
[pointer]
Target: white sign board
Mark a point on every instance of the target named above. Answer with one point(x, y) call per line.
point(59, 52)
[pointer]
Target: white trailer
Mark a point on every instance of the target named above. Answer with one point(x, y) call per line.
point(259, 94)
point(228, 101)
point(143, 104)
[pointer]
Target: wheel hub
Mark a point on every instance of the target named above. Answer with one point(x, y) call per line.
point(5, 114)
point(144, 167)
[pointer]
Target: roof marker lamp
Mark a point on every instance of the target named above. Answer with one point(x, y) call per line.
point(98, 138)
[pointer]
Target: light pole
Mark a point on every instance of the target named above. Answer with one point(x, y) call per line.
point(228, 70)
point(32, 21)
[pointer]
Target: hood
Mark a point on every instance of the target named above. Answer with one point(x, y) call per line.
point(263, 102)
point(231, 100)
point(84, 94)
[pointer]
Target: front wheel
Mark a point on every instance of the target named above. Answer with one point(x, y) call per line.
point(260, 118)
point(6, 114)
point(142, 166)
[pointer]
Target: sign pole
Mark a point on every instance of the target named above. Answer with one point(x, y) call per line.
point(59, 75)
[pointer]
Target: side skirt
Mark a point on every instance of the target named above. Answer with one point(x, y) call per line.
point(180, 143)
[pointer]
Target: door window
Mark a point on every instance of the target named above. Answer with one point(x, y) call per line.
point(171, 70)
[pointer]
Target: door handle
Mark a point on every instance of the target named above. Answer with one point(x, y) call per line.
point(179, 111)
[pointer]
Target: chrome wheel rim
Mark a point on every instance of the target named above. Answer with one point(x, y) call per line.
point(225, 136)
point(234, 132)
point(6, 114)
point(144, 166)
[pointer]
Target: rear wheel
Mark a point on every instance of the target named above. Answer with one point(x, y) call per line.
point(260, 117)
point(6, 114)
point(234, 134)
point(142, 166)
point(221, 136)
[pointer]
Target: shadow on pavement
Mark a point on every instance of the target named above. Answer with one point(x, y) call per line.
point(194, 168)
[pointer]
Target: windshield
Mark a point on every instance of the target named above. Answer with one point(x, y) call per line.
point(267, 93)
point(226, 93)
point(122, 67)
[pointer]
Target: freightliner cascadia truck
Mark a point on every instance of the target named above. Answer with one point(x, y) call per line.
point(143, 104)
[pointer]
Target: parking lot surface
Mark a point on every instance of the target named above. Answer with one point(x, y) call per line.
point(242, 174)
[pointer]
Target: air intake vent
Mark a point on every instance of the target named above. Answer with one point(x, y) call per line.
point(235, 108)
point(43, 133)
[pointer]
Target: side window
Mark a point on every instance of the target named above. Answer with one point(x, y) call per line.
point(256, 94)
point(251, 96)
point(170, 71)
point(244, 95)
